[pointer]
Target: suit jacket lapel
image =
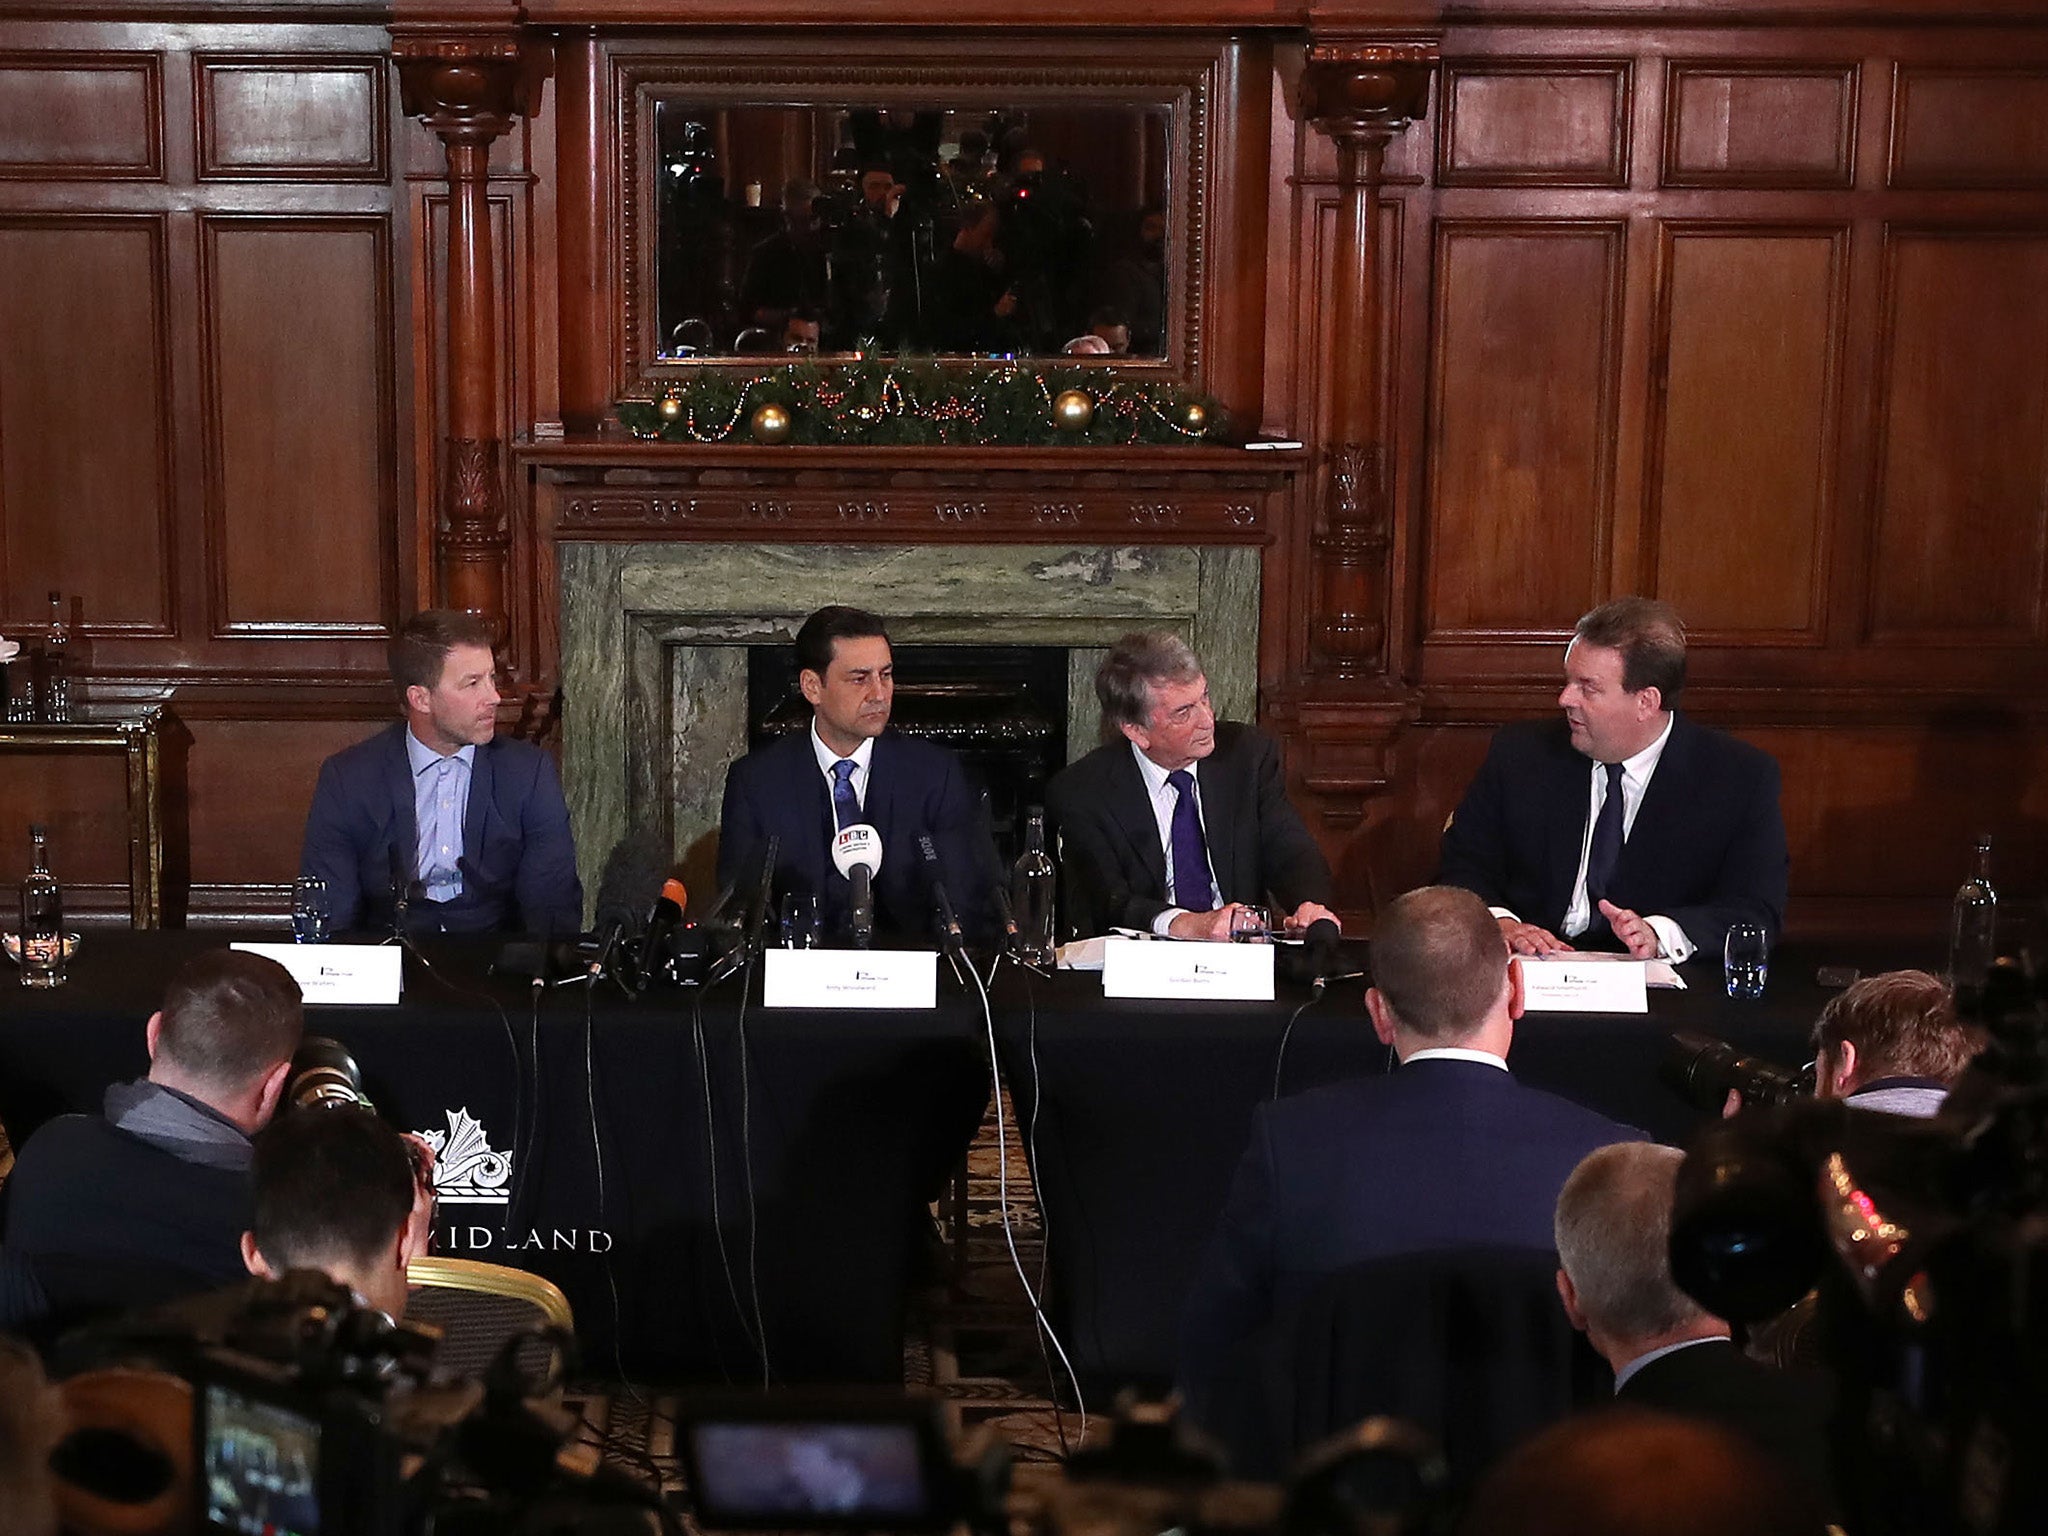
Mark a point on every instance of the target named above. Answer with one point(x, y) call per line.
point(1669, 788)
point(1219, 789)
point(405, 833)
point(482, 771)
point(1570, 800)
point(1132, 809)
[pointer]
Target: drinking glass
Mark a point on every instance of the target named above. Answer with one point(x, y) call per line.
point(310, 912)
point(1249, 925)
point(1746, 960)
point(800, 923)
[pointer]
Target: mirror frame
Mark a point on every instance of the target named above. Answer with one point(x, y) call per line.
point(955, 70)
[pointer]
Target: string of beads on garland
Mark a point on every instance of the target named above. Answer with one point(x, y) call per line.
point(913, 404)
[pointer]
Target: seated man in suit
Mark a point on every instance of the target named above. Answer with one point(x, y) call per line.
point(850, 769)
point(1623, 824)
point(468, 827)
point(148, 1199)
point(1183, 820)
point(1448, 1152)
point(339, 1191)
point(1613, 1234)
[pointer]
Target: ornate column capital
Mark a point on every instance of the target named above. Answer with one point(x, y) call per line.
point(469, 86)
point(1366, 89)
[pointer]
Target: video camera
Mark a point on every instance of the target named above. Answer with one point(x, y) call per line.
point(1704, 1071)
point(1928, 1242)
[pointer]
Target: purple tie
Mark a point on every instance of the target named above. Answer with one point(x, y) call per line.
point(1192, 891)
point(845, 808)
point(1605, 852)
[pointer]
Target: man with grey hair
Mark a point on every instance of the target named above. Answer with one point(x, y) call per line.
point(1613, 1231)
point(1182, 820)
point(1622, 825)
point(1449, 1152)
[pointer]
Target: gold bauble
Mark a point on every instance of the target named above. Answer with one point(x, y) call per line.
point(1072, 410)
point(866, 415)
point(671, 408)
point(1194, 416)
point(771, 423)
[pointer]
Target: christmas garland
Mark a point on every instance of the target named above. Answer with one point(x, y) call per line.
point(900, 404)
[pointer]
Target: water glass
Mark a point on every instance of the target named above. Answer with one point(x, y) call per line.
point(310, 912)
point(1250, 925)
point(800, 925)
point(1746, 960)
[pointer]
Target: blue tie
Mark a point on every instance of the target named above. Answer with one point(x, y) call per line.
point(1605, 851)
point(1192, 891)
point(845, 808)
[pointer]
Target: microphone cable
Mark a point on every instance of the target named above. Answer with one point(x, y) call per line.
point(1031, 1293)
point(732, 1287)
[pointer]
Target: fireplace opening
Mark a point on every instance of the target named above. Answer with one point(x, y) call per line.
point(1002, 709)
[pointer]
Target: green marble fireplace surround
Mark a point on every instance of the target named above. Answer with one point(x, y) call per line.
point(655, 638)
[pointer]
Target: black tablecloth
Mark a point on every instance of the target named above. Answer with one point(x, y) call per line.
point(1142, 1110)
point(848, 1123)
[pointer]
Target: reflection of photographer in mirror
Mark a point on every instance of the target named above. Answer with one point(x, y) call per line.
point(339, 1191)
point(975, 309)
point(788, 270)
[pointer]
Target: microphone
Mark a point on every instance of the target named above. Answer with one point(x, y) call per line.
point(757, 915)
point(633, 872)
point(1013, 937)
point(1321, 943)
point(401, 890)
point(658, 935)
point(950, 936)
point(857, 854)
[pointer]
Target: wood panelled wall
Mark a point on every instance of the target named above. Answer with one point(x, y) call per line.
point(1750, 312)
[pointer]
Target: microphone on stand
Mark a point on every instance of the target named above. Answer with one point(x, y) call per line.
point(757, 914)
point(1006, 915)
point(657, 938)
point(1320, 941)
point(401, 891)
point(950, 937)
point(857, 854)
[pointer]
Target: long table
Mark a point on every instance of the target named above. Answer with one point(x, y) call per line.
point(582, 1133)
point(1137, 1114)
point(847, 1123)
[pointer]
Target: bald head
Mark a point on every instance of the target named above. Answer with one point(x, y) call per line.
point(1628, 1472)
point(1440, 966)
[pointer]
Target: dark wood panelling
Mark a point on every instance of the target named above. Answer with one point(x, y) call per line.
point(1743, 430)
point(1970, 127)
point(252, 781)
point(1759, 125)
point(1521, 444)
point(81, 798)
point(301, 500)
point(80, 115)
point(1961, 520)
point(1561, 123)
point(284, 119)
point(85, 494)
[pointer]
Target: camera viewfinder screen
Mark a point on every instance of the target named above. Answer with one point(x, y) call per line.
point(837, 1474)
point(262, 1466)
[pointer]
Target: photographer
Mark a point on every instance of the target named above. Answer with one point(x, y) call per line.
point(1892, 1043)
point(146, 1201)
point(339, 1191)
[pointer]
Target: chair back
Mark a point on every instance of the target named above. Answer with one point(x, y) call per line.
point(477, 1307)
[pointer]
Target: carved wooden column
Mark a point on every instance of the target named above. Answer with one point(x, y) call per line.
point(1361, 95)
point(470, 86)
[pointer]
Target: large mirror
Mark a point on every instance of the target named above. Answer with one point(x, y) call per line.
point(785, 199)
point(903, 228)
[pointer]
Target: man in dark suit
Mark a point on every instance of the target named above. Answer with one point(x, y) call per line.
point(850, 769)
point(1622, 825)
point(1613, 1231)
point(1448, 1152)
point(469, 827)
point(1183, 820)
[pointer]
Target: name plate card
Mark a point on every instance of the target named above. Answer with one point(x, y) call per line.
point(351, 974)
point(1168, 969)
point(1582, 984)
point(850, 978)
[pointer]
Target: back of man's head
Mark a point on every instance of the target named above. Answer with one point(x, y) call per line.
point(1613, 1230)
point(229, 1017)
point(1902, 1024)
point(333, 1191)
point(1440, 963)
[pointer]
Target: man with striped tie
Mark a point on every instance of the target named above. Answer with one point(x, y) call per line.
point(1622, 825)
point(849, 768)
point(1183, 820)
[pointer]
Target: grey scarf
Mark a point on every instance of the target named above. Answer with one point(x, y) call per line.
point(178, 1124)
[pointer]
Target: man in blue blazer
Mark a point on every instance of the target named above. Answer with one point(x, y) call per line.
point(1622, 825)
point(850, 769)
point(1447, 1152)
point(471, 829)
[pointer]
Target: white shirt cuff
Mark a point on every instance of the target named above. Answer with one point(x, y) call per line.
point(1503, 912)
point(1163, 923)
point(1672, 944)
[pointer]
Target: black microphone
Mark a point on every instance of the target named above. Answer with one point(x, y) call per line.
point(632, 876)
point(714, 915)
point(401, 890)
point(757, 916)
point(1321, 941)
point(949, 925)
point(1013, 937)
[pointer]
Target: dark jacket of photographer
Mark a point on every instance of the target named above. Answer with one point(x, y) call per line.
point(142, 1203)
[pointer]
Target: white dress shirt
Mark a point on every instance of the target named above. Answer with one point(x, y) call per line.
point(1164, 797)
point(860, 757)
point(440, 801)
point(1457, 1053)
point(1672, 943)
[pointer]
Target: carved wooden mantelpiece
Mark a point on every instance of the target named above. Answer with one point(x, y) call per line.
point(922, 495)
